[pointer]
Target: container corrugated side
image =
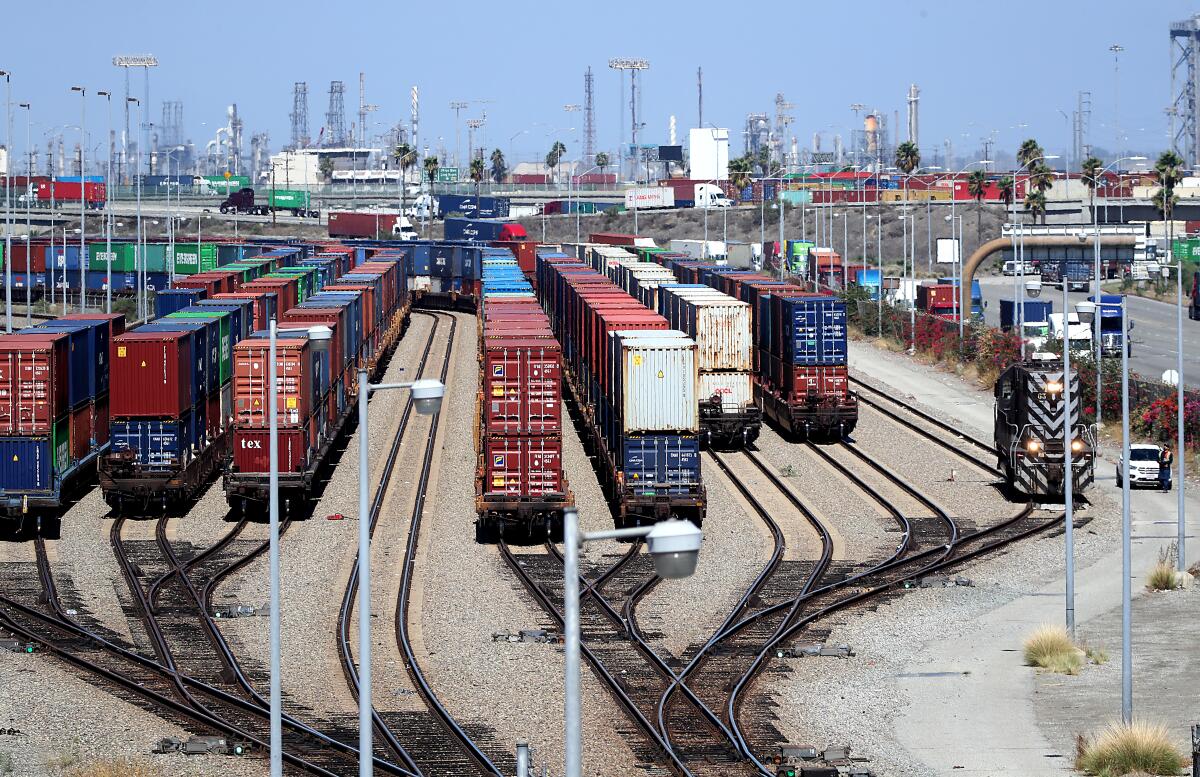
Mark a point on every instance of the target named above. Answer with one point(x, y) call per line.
point(654, 378)
point(736, 389)
point(720, 326)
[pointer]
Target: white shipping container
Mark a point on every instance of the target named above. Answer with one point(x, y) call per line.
point(698, 249)
point(720, 325)
point(654, 380)
point(736, 389)
point(646, 197)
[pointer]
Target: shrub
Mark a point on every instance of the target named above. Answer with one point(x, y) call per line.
point(1121, 750)
point(1163, 576)
point(1050, 647)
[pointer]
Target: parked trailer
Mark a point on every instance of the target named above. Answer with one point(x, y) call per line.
point(1028, 431)
point(245, 200)
point(61, 193)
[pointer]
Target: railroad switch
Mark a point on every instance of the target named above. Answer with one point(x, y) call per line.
point(817, 650)
point(240, 611)
point(538, 636)
point(17, 646)
point(939, 581)
point(200, 745)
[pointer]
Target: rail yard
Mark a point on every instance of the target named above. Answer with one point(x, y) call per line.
point(858, 457)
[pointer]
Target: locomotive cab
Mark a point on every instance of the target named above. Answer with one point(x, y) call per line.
point(1029, 434)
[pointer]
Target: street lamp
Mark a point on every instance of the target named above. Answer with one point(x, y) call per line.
point(82, 197)
point(320, 337)
point(108, 216)
point(427, 399)
point(674, 547)
point(7, 204)
point(139, 251)
point(1019, 277)
point(570, 181)
point(28, 226)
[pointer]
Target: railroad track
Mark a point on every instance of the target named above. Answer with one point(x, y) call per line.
point(435, 745)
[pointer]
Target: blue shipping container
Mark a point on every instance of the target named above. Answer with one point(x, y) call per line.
point(155, 443)
point(25, 463)
point(80, 380)
point(812, 331)
point(97, 351)
point(656, 464)
point(168, 301)
point(472, 207)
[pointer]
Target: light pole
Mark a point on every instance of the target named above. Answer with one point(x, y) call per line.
point(1097, 290)
point(879, 259)
point(570, 181)
point(320, 337)
point(107, 95)
point(1019, 277)
point(82, 197)
point(7, 204)
point(674, 547)
point(138, 250)
point(28, 226)
point(1126, 531)
point(427, 400)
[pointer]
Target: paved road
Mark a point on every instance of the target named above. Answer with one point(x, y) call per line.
point(1154, 332)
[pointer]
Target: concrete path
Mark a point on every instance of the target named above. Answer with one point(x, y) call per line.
point(981, 716)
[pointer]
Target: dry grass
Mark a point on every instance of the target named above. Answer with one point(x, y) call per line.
point(1163, 576)
point(1125, 750)
point(115, 767)
point(1050, 647)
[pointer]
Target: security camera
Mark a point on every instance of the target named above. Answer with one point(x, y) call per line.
point(1086, 311)
point(1033, 287)
point(427, 396)
point(674, 547)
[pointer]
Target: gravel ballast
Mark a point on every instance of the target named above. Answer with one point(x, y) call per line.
point(468, 593)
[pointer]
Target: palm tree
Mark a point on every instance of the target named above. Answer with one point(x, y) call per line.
point(1029, 151)
point(739, 171)
point(602, 161)
point(431, 168)
point(555, 155)
point(908, 157)
point(1170, 172)
point(1007, 189)
point(977, 187)
point(1091, 169)
point(405, 156)
point(477, 173)
point(325, 166)
point(499, 166)
point(1035, 203)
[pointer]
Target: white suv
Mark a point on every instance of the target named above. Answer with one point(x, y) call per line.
point(1143, 465)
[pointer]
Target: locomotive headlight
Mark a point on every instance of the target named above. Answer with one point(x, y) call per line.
point(1076, 446)
point(1033, 446)
point(1054, 387)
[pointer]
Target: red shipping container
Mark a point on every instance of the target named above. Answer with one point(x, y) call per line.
point(334, 318)
point(263, 305)
point(82, 424)
point(252, 452)
point(368, 303)
point(208, 285)
point(932, 297)
point(523, 465)
point(800, 383)
point(28, 258)
point(522, 386)
point(295, 385)
point(525, 252)
point(33, 382)
point(613, 238)
point(151, 375)
point(100, 420)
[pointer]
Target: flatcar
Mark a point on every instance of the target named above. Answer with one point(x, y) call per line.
point(1029, 430)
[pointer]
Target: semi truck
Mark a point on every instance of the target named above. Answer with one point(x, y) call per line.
point(1109, 325)
point(291, 201)
point(1078, 333)
point(1034, 324)
point(470, 206)
point(483, 230)
point(696, 194)
point(376, 226)
point(1076, 275)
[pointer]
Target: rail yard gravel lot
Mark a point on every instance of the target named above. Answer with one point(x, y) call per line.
point(316, 556)
point(469, 593)
point(683, 613)
point(86, 570)
point(64, 723)
point(896, 689)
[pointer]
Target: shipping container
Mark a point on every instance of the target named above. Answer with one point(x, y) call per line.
point(521, 386)
point(654, 380)
point(154, 375)
point(483, 230)
point(192, 258)
point(471, 206)
point(33, 383)
point(524, 465)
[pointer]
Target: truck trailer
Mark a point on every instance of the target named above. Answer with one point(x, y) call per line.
point(290, 201)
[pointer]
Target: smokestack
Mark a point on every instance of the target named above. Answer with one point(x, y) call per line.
point(914, 96)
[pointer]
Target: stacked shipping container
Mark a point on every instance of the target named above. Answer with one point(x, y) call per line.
point(634, 382)
point(520, 483)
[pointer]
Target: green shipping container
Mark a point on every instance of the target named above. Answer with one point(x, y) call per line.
point(287, 198)
point(226, 342)
point(191, 258)
point(121, 256)
point(217, 184)
point(797, 196)
point(303, 281)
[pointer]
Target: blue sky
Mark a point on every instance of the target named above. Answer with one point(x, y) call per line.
point(980, 67)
